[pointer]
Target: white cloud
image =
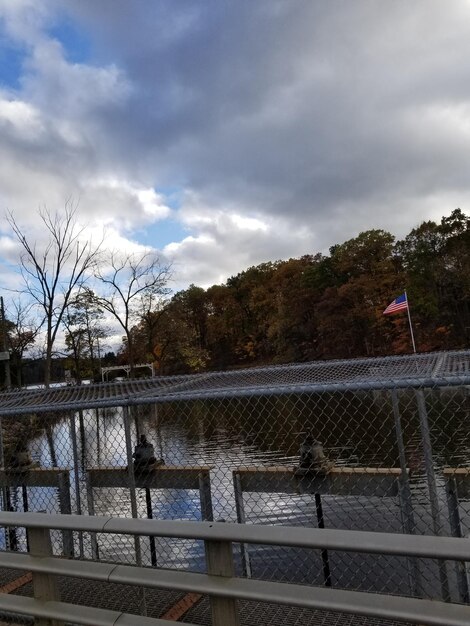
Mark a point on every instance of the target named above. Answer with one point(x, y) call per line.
point(21, 119)
point(284, 127)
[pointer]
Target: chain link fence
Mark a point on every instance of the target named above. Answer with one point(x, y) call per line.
point(373, 444)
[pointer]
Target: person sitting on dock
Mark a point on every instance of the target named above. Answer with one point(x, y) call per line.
point(312, 456)
point(144, 455)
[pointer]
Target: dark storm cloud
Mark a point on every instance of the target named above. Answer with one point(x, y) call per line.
point(300, 106)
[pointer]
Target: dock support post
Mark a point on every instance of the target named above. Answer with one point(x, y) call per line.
point(65, 506)
point(219, 558)
point(205, 497)
point(241, 519)
point(324, 553)
point(44, 585)
point(153, 547)
point(91, 511)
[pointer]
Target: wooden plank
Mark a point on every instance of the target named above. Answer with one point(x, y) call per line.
point(166, 477)
point(381, 482)
point(35, 477)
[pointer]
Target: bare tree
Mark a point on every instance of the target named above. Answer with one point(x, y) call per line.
point(53, 273)
point(133, 286)
point(22, 334)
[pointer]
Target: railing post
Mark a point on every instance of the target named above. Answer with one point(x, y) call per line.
point(44, 585)
point(219, 559)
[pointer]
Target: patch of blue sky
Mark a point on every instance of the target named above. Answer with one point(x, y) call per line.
point(172, 196)
point(12, 57)
point(74, 40)
point(161, 233)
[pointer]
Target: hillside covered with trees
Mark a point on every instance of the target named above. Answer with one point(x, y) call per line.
point(320, 306)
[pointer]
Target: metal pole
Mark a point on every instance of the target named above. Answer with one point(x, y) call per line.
point(5, 346)
point(153, 549)
point(241, 519)
point(78, 499)
point(24, 490)
point(50, 440)
point(82, 438)
point(205, 496)
point(98, 437)
point(456, 531)
point(432, 487)
point(409, 320)
point(132, 494)
point(91, 511)
point(99, 358)
point(65, 507)
point(409, 525)
point(324, 553)
point(11, 535)
point(5, 494)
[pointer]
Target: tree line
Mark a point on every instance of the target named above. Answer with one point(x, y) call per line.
point(321, 306)
point(318, 306)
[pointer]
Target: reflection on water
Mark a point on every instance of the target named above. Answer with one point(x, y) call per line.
point(356, 429)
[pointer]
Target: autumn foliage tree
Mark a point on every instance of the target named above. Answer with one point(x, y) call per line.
point(323, 306)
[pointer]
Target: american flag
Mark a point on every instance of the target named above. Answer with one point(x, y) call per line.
point(399, 304)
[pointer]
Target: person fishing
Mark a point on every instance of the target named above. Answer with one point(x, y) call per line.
point(144, 454)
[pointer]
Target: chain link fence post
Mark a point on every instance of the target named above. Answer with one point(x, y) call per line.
point(432, 487)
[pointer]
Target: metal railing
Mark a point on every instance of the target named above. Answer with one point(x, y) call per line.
point(219, 581)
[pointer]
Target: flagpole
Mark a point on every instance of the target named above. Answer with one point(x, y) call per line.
point(409, 320)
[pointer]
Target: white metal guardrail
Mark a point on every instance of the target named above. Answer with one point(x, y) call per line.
point(219, 582)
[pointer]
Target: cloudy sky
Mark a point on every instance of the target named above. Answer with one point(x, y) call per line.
point(228, 133)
